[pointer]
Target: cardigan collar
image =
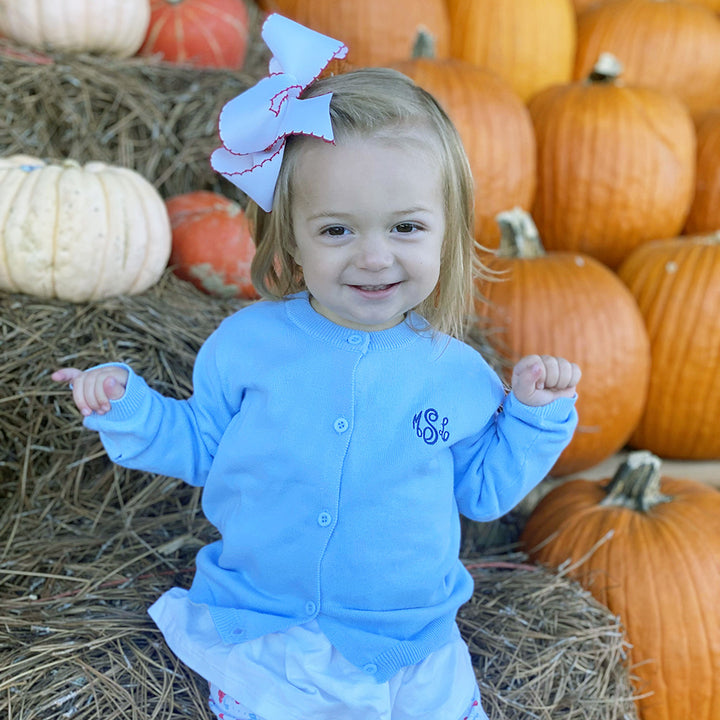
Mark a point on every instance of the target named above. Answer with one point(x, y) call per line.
point(302, 314)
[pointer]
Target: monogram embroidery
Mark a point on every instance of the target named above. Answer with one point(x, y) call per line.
point(426, 426)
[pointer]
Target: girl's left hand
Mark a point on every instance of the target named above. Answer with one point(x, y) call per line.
point(540, 379)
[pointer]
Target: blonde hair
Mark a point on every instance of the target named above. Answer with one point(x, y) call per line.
point(378, 101)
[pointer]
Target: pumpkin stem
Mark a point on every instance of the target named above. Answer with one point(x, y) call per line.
point(636, 483)
point(424, 45)
point(607, 69)
point(519, 236)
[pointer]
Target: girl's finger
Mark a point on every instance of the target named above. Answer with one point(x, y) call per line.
point(552, 370)
point(65, 374)
point(80, 395)
point(564, 374)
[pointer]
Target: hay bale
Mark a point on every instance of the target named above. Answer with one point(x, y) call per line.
point(87, 546)
point(542, 646)
point(157, 118)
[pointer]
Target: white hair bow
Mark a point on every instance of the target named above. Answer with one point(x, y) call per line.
point(253, 126)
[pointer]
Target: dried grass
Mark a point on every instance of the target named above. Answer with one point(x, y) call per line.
point(543, 648)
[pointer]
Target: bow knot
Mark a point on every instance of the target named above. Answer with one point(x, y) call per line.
point(254, 125)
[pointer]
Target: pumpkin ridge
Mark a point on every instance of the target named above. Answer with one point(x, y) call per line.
point(651, 121)
point(102, 269)
point(132, 206)
point(223, 15)
point(54, 235)
point(28, 188)
point(4, 225)
point(208, 35)
point(156, 28)
point(692, 608)
point(696, 274)
point(672, 333)
point(140, 276)
point(179, 33)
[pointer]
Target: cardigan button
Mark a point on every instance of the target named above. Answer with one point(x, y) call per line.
point(310, 608)
point(324, 519)
point(341, 425)
point(355, 339)
point(370, 668)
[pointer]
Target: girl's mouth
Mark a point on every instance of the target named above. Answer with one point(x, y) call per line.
point(374, 288)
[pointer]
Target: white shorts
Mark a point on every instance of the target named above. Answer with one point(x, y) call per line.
point(298, 674)
point(227, 708)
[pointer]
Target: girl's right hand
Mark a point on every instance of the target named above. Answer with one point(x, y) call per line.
point(94, 389)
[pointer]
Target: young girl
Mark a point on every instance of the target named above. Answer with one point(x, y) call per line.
point(337, 427)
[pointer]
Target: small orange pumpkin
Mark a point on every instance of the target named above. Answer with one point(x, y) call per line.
point(647, 547)
point(495, 127)
point(704, 215)
point(616, 164)
point(568, 304)
point(377, 32)
point(673, 45)
point(529, 43)
point(205, 33)
point(676, 283)
point(212, 246)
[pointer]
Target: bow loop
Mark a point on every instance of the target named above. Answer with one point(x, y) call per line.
point(253, 126)
point(297, 50)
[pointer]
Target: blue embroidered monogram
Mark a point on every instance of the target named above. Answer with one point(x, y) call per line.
point(426, 426)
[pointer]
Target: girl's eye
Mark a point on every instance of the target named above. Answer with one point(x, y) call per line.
point(334, 231)
point(406, 227)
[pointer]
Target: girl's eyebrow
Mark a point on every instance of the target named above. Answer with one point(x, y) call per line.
point(327, 214)
point(412, 210)
point(338, 215)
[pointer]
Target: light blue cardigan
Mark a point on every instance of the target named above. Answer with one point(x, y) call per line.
point(334, 463)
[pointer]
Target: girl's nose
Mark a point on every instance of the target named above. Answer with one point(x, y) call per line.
point(374, 253)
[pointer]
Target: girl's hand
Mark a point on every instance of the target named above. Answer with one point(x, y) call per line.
point(94, 389)
point(540, 379)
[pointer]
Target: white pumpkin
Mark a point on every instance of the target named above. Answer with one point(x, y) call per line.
point(77, 232)
point(106, 27)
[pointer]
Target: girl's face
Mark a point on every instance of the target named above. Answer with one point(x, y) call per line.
point(369, 222)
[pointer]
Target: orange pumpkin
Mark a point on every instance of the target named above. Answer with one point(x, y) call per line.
point(377, 32)
point(704, 213)
point(569, 304)
point(211, 243)
point(672, 45)
point(648, 547)
point(714, 5)
point(206, 33)
point(581, 5)
point(610, 179)
point(676, 283)
point(529, 43)
point(495, 128)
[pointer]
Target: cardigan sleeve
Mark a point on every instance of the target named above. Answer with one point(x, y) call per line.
point(145, 430)
point(513, 452)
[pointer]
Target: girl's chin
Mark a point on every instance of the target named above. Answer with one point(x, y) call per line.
point(371, 321)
